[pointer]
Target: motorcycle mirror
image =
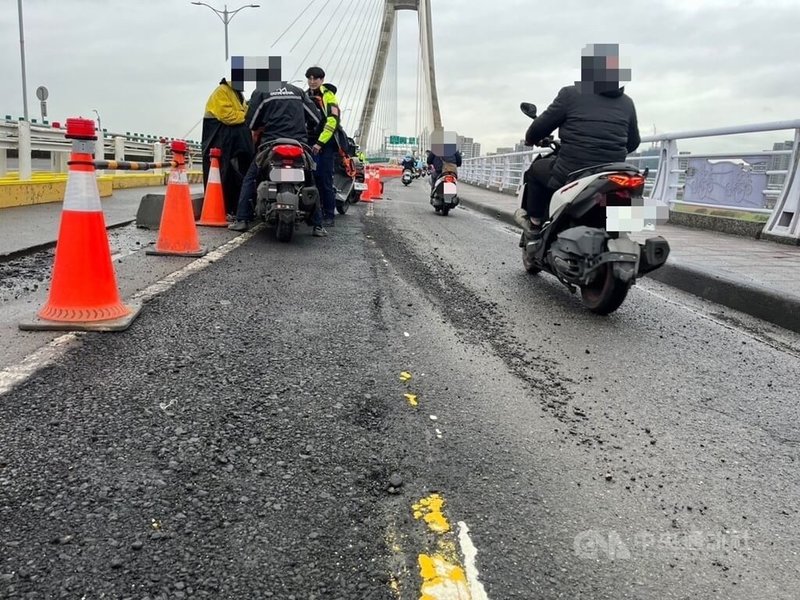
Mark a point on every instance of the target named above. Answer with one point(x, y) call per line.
point(528, 109)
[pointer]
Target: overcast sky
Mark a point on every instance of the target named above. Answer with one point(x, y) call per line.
point(149, 65)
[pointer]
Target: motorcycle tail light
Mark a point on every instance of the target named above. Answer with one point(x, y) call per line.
point(450, 179)
point(287, 151)
point(627, 181)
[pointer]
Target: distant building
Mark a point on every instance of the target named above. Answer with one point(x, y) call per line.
point(504, 150)
point(469, 147)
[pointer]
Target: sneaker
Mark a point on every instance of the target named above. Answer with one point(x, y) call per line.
point(230, 218)
point(319, 232)
point(239, 226)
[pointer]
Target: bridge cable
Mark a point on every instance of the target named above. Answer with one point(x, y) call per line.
point(355, 66)
point(333, 33)
point(303, 62)
point(368, 50)
point(292, 23)
point(314, 20)
point(342, 47)
point(370, 44)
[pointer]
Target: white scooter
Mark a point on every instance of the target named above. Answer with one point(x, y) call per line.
point(585, 243)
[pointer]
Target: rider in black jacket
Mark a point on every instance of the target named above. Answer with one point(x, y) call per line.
point(282, 111)
point(596, 123)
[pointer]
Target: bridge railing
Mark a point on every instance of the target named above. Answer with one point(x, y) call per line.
point(23, 138)
point(738, 180)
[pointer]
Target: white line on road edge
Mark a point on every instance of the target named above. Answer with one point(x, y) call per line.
point(18, 373)
point(470, 552)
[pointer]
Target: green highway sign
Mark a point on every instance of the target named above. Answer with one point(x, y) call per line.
point(398, 140)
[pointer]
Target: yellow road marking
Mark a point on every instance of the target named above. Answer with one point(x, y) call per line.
point(430, 510)
point(412, 399)
point(405, 376)
point(441, 579)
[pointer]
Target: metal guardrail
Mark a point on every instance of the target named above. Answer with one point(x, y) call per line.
point(25, 138)
point(759, 180)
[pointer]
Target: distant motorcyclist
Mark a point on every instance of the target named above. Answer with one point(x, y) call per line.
point(438, 164)
point(596, 122)
point(283, 111)
point(408, 163)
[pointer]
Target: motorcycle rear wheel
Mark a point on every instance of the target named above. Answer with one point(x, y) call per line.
point(445, 211)
point(606, 294)
point(284, 231)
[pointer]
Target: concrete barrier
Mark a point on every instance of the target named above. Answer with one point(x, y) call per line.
point(152, 205)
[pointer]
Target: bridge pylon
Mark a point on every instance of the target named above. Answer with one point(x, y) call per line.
point(423, 9)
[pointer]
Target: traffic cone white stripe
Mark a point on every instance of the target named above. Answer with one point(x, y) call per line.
point(213, 176)
point(81, 194)
point(178, 176)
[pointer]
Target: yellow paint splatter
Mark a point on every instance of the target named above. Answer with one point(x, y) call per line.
point(405, 376)
point(412, 399)
point(442, 580)
point(430, 510)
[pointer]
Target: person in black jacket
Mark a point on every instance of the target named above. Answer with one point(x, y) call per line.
point(596, 122)
point(283, 111)
point(437, 164)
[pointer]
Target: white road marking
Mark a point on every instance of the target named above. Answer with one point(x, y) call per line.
point(21, 371)
point(470, 552)
point(16, 374)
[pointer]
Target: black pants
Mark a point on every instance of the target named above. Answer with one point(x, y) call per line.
point(537, 192)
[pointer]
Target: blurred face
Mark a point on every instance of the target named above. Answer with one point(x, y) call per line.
point(315, 82)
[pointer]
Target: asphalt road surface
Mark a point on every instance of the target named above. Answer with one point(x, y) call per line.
point(388, 412)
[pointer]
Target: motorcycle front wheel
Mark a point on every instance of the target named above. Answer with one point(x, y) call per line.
point(342, 207)
point(606, 293)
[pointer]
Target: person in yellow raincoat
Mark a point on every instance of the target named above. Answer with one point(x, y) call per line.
point(224, 128)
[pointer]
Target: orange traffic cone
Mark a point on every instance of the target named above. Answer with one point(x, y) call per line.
point(214, 203)
point(375, 184)
point(365, 195)
point(177, 235)
point(83, 291)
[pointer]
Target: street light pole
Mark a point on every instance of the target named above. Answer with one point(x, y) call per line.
point(226, 17)
point(22, 57)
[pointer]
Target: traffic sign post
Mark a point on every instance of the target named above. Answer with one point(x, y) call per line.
point(42, 94)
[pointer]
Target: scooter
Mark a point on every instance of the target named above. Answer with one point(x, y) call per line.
point(286, 194)
point(585, 243)
point(444, 194)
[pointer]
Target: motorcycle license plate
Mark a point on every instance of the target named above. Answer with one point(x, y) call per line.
point(287, 175)
point(360, 186)
point(449, 189)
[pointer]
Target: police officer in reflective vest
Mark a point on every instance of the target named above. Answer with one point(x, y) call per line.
point(324, 148)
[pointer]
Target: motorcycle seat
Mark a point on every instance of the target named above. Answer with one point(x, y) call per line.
point(618, 166)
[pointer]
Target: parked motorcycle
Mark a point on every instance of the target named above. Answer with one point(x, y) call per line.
point(359, 183)
point(345, 173)
point(444, 194)
point(576, 244)
point(286, 195)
